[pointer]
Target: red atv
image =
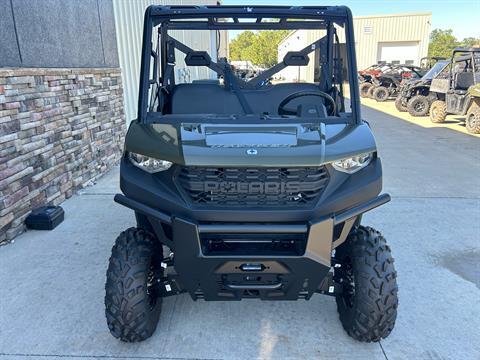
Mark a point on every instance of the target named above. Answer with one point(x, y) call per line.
point(367, 76)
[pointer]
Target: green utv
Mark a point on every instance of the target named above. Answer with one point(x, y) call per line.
point(456, 89)
point(248, 189)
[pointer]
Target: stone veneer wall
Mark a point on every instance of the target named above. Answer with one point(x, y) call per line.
point(59, 130)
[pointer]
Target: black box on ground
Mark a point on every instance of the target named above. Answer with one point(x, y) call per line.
point(45, 218)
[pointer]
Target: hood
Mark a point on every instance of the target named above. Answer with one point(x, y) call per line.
point(256, 145)
point(474, 90)
point(416, 82)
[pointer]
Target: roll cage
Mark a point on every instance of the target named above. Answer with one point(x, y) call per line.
point(462, 71)
point(428, 62)
point(397, 73)
point(157, 75)
point(471, 57)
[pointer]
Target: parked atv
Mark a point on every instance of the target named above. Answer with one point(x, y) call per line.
point(414, 95)
point(257, 190)
point(387, 84)
point(367, 75)
point(451, 87)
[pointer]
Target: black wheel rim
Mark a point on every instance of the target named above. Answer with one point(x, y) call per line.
point(419, 106)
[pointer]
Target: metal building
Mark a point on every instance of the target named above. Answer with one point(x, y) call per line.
point(129, 30)
point(395, 38)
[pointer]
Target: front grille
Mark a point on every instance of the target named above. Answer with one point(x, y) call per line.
point(259, 187)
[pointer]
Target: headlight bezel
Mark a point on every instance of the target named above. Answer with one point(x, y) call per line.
point(147, 163)
point(352, 164)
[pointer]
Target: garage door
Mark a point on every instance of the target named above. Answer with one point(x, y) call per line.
point(398, 52)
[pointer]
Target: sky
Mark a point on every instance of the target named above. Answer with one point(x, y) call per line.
point(462, 16)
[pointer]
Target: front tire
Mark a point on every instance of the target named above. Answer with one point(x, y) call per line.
point(368, 303)
point(370, 91)
point(438, 111)
point(131, 307)
point(472, 122)
point(364, 87)
point(399, 105)
point(380, 93)
point(418, 105)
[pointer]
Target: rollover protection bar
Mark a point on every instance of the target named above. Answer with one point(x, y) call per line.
point(253, 228)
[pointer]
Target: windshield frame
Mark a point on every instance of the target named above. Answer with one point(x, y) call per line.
point(193, 18)
point(438, 67)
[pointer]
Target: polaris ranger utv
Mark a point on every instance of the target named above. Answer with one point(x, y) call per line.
point(247, 189)
point(451, 86)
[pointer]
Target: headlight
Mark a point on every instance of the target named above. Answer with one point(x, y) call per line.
point(353, 164)
point(149, 164)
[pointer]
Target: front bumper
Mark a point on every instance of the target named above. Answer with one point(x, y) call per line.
point(232, 253)
point(237, 260)
point(343, 192)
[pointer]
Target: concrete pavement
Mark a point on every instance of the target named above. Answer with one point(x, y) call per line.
point(452, 122)
point(51, 292)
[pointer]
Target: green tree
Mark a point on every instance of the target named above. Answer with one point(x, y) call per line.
point(261, 47)
point(442, 42)
point(471, 42)
point(238, 45)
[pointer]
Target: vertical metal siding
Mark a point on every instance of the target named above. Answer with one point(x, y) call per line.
point(129, 30)
point(390, 28)
point(384, 28)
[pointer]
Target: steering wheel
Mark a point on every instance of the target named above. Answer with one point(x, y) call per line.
point(282, 110)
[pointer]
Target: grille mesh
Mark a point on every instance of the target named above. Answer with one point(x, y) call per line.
point(260, 187)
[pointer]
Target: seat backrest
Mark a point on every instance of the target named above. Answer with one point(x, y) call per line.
point(208, 98)
point(464, 80)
